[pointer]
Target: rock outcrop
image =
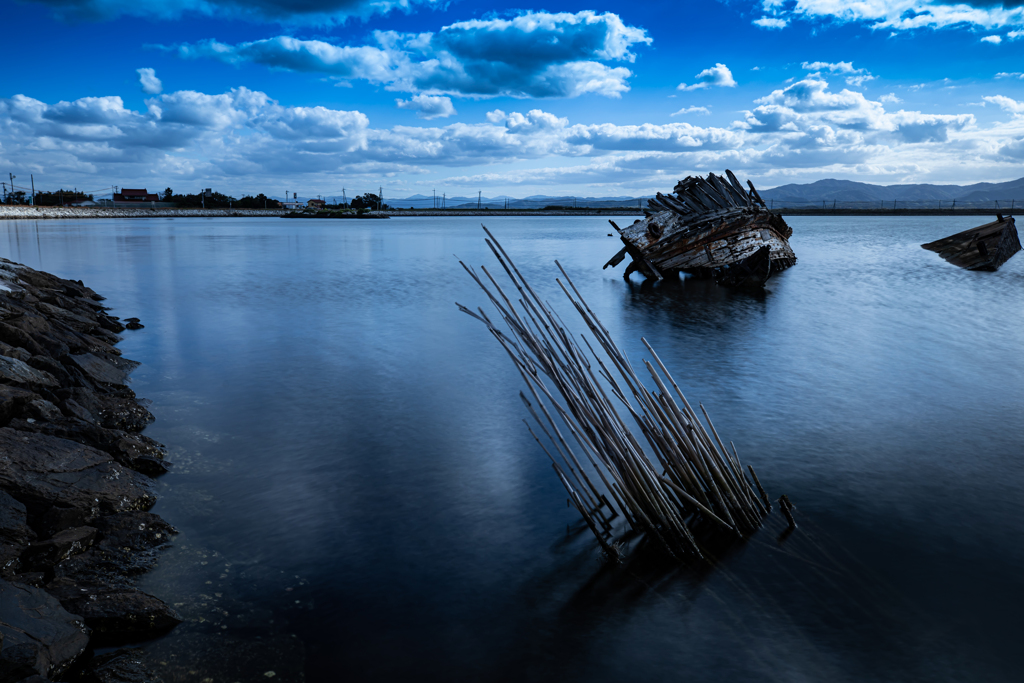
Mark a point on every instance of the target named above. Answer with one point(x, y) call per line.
point(75, 485)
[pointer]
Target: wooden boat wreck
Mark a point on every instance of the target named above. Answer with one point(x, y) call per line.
point(708, 227)
point(983, 248)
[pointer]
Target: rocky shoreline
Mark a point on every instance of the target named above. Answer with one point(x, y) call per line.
point(75, 488)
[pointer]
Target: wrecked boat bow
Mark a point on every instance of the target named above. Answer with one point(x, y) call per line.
point(983, 248)
point(705, 228)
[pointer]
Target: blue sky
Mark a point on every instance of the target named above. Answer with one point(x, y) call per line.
point(591, 100)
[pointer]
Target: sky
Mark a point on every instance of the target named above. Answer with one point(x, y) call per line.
point(592, 100)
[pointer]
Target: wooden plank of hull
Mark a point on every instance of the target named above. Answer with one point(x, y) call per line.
point(983, 248)
point(751, 272)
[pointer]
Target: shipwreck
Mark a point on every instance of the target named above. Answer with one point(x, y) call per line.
point(711, 228)
point(983, 248)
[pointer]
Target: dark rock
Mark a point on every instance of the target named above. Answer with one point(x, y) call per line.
point(19, 338)
point(39, 636)
point(110, 324)
point(115, 612)
point(14, 352)
point(47, 364)
point(98, 369)
point(57, 519)
point(134, 531)
point(126, 546)
point(36, 579)
point(123, 447)
point(150, 466)
point(132, 320)
point(115, 411)
point(34, 679)
point(75, 409)
point(123, 666)
point(13, 401)
point(42, 471)
point(134, 326)
point(64, 544)
point(20, 372)
point(15, 533)
point(41, 409)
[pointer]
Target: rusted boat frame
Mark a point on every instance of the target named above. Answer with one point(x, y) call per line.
point(985, 247)
point(706, 223)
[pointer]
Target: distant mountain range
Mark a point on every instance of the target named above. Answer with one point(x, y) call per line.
point(848, 191)
point(829, 191)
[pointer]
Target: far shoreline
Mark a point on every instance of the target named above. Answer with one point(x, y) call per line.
point(67, 212)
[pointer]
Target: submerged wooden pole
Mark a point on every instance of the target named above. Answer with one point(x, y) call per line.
point(595, 412)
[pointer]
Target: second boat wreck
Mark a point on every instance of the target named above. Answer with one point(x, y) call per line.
point(708, 227)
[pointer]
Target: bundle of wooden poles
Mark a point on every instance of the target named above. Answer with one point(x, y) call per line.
point(593, 448)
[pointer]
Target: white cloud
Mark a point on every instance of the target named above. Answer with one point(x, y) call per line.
point(691, 110)
point(854, 77)
point(771, 23)
point(1008, 104)
point(890, 98)
point(428, 106)
point(151, 85)
point(905, 15)
point(995, 40)
point(717, 75)
point(1014, 35)
point(1012, 74)
point(535, 54)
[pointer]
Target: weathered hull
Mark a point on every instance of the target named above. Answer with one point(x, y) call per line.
point(749, 273)
point(983, 248)
point(705, 225)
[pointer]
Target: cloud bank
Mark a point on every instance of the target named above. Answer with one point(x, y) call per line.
point(535, 54)
point(244, 137)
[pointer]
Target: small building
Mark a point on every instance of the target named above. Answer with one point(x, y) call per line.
point(316, 203)
point(294, 206)
point(142, 195)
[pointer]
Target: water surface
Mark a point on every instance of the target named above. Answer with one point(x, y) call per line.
point(358, 498)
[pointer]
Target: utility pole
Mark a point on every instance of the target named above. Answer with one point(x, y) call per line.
point(33, 179)
point(435, 198)
point(478, 194)
point(12, 185)
point(380, 198)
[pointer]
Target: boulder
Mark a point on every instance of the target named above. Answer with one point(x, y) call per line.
point(114, 411)
point(59, 547)
point(136, 451)
point(20, 372)
point(98, 369)
point(134, 531)
point(13, 401)
point(115, 612)
point(44, 471)
point(40, 637)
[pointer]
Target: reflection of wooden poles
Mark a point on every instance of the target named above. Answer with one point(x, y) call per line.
point(591, 425)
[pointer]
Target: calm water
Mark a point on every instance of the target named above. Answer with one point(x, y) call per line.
point(358, 498)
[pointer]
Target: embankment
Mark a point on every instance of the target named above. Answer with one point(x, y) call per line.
point(75, 485)
point(46, 212)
